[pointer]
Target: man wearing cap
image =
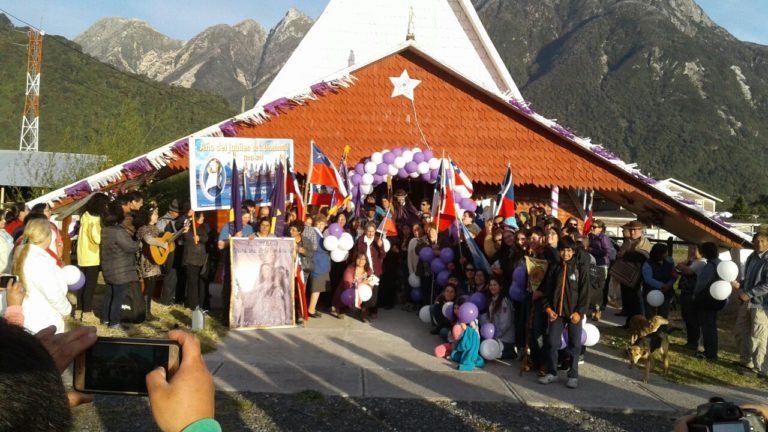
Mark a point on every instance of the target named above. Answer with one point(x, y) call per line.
point(634, 251)
point(171, 214)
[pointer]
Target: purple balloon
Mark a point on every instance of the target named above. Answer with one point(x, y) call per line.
point(356, 179)
point(457, 198)
point(378, 179)
point(418, 157)
point(79, 284)
point(436, 265)
point(479, 299)
point(335, 230)
point(416, 296)
point(517, 293)
point(467, 313)
point(425, 177)
point(382, 169)
point(411, 167)
point(447, 255)
point(583, 336)
point(397, 151)
point(348, 297)
point(426, 254)
point(564, 339)
point(388, 157)
point(402, 173)
point(360, 169)
point(428, 154)
point(442, 278)
point(433, 175)
point(488, 331)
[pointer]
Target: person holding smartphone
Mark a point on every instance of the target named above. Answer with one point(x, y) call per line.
point(185, 402)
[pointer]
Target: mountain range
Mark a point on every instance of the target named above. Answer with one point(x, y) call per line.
point(655, 81)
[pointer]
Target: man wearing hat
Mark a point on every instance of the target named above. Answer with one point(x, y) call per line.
point(171, 214)
point(631, 255)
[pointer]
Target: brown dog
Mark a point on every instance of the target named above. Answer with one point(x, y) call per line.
point(640, 327)
point(644, 352)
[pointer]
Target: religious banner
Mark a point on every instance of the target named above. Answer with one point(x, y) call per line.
point(210, 163)
point(262, 282)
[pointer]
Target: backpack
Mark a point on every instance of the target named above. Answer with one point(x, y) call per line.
point(133, 309)
point(704, 299)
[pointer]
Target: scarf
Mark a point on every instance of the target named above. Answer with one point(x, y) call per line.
point(368, 242)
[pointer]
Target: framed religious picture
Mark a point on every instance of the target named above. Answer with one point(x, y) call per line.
point(262, 283)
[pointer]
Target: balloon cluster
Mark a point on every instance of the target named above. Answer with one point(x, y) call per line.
point(728, 272)
point(364, 292)
point(73, 277)
point(519, 287)
point(338, 242)
point(402, 163)
point(441, 264)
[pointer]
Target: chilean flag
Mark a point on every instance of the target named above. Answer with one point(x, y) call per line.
point(461, 181)
point(322, 172)
point(506, 207)
point(588, 223)
point(443, 205)
point(387, 226)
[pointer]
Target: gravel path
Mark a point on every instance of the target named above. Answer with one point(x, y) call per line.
point(311, 411)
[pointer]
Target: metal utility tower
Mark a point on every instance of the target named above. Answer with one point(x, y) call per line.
point(31, 120)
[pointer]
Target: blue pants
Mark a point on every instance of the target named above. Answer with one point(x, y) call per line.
point(574, 345)
point(113, 303)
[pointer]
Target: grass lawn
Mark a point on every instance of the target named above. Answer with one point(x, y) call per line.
point(169, 318)
point(684, 367)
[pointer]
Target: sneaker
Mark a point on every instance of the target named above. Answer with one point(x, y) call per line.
point(548, 378)
point(572, 383)
point(581, 359)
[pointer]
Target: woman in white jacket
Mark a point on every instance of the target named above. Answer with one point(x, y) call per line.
point(502, 314)
point(46, 301)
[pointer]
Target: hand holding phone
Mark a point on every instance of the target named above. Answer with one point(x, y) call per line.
point(188, 396)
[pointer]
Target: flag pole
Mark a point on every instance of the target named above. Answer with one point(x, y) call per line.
point(459, 231)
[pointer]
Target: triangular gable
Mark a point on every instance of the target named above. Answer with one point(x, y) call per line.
point(353, 31)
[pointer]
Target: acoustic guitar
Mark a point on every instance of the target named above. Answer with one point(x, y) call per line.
point(158, 255)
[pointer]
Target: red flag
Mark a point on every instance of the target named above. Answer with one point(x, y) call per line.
point(322, 172)
point(506, 207)
point(292, 187)
point(444, 207)
point(301, 286)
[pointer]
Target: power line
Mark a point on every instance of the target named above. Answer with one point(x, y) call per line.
point(134, 77)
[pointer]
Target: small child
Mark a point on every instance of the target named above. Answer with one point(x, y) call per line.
point(444, 350)
point(441, 324)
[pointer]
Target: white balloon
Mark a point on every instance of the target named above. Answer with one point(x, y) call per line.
point(423, 168)
point(387, 245)
point(415, 149)
point(489, 349)
point(414, 174)
point(346, 242)
point(366, 180)
point(720, 290)
point(446, 307)
point(71, 274)
point(370, 167)
point(425, 315)
point(365, 292)
point(728, 271)
point(399, 162)
point(392, 170)
point(407, 156)
point(593, 334)
point(376, 158)
point(366, 189)
point(655, 298)
point(414, 281)
point(463, 191)
point(338, 255)
point(434, 163)
point(331, 243)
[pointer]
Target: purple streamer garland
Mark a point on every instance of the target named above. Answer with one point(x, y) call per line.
point(228, 128)
point(181, 147)
point(273, 107)
point(139, 166)
point(78, 189)
point(322, 88)
point(523, 106)
point(564, 131)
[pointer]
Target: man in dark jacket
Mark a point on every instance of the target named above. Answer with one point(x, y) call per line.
point(565, 301)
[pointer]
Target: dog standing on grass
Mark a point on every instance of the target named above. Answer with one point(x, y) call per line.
point(645, 339)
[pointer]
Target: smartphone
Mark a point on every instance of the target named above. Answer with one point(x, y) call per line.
point(120, 365)
point(5, 278)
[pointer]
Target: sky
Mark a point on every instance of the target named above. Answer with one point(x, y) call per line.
point(183, 19)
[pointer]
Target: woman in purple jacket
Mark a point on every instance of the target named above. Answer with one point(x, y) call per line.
point(601, 248)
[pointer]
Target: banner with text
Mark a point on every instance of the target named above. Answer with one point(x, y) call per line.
point(210, 165)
